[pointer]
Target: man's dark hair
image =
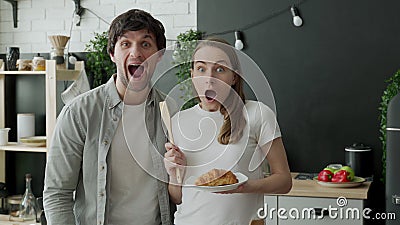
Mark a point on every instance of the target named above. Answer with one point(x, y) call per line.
point(134, 20)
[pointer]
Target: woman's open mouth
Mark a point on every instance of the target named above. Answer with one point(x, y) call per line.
point(210, 95)
point(136, 70)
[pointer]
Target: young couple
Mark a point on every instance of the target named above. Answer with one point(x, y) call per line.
point(93, 175)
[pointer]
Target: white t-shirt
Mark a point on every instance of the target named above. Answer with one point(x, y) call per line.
point(195, 132)
point(131, 191)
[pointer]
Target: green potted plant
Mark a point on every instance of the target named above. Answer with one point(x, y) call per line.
point(186, 43)
point(98, 62)
point(391, 90)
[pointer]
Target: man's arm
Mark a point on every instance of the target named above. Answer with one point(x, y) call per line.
point(63, 166)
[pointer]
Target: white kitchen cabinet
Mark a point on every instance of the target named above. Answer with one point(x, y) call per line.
point(52, 75)
point(307, 195)
point(351, 214)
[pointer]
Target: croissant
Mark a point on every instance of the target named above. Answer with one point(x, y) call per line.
point(216, 177)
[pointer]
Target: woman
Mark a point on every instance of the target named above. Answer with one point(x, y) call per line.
point(223, 131)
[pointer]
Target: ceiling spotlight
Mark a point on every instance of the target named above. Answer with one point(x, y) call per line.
point(297, 21)
point(238, 42)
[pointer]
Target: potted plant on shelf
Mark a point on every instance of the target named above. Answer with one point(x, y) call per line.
point(98, 62)
point(391, 90)
point(186, 43)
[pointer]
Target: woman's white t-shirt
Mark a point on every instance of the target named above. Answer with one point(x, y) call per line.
point(195, 131)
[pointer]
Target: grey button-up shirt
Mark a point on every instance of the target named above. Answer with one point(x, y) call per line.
point(76, 160)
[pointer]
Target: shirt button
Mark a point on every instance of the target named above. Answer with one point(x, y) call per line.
point(105, 142)
point(102, 167)
point(115, 119)
point(102, 194)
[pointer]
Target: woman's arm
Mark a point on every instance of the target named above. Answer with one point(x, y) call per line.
point(280, 180)
point(172, 158)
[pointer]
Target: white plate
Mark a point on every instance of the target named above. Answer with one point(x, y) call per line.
point(241, 179)
point(357, 181)
point(35, 141)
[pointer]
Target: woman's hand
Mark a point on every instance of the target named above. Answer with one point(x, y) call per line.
point(174, 159)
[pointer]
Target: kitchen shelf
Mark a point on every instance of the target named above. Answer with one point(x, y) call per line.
point(64, 75)
point(22, 72)
point(15, 147)
point(4, 220)
point(52, 75)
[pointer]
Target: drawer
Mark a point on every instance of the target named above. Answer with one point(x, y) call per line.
point(299, 211)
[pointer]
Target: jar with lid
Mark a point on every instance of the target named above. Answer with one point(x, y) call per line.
point(38, 63)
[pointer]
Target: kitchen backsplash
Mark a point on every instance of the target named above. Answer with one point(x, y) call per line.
point(39, 18)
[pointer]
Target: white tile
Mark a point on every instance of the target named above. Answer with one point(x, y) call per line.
point(6, 15)
point(88, 23)
point(6, 38)
point(22, 4)
point(102, 11)
point(116, 2)
point(77, 47)
point(48, 25)
point(31, 14)
point(6, 26)
point(29, 37)
point(24, 48)
point(170, 8)
point(86, 35)
point(36, 48)
point(103, 25)
point(40, 18)
point(48, 4)
point(193, 7)
point(23, 26)
point(174, 32)
point(121, 8)
point(154, 1)
point(57, 13)
point(184, 20)
point(9, 26)
point(75, 36)
point(166, 20)
point(3, 49)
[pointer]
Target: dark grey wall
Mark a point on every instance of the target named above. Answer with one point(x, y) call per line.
point(327, 76)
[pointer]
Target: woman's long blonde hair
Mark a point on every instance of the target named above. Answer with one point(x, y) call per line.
point(232, 129)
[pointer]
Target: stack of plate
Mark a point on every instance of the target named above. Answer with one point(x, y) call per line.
point(35, 141)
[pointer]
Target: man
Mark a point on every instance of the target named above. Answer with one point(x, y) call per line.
point(91, 152)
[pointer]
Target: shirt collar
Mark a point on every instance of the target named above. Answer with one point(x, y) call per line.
point(113, 95)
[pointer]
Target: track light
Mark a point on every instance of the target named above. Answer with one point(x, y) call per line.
point(238, 41)
point(297, 21)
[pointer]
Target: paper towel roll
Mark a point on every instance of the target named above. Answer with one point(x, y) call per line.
point(25, 125)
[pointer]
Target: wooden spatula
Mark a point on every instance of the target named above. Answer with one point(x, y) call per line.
point(167, 121)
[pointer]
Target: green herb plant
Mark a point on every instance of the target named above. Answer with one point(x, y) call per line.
point(186, 43)
point(391, 90)
point(98, 61)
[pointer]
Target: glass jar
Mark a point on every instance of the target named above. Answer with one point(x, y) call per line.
point(28, 207)
point(38, 63)
point(12, 57)
point(59, 55)
point(13, 207)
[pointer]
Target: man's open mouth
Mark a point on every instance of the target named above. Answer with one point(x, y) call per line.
point(210, 95)
point(135, 70)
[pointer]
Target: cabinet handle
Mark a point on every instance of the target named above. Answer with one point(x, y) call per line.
point(321, 212)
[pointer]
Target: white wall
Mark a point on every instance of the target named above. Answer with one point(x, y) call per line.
point(39, 18)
